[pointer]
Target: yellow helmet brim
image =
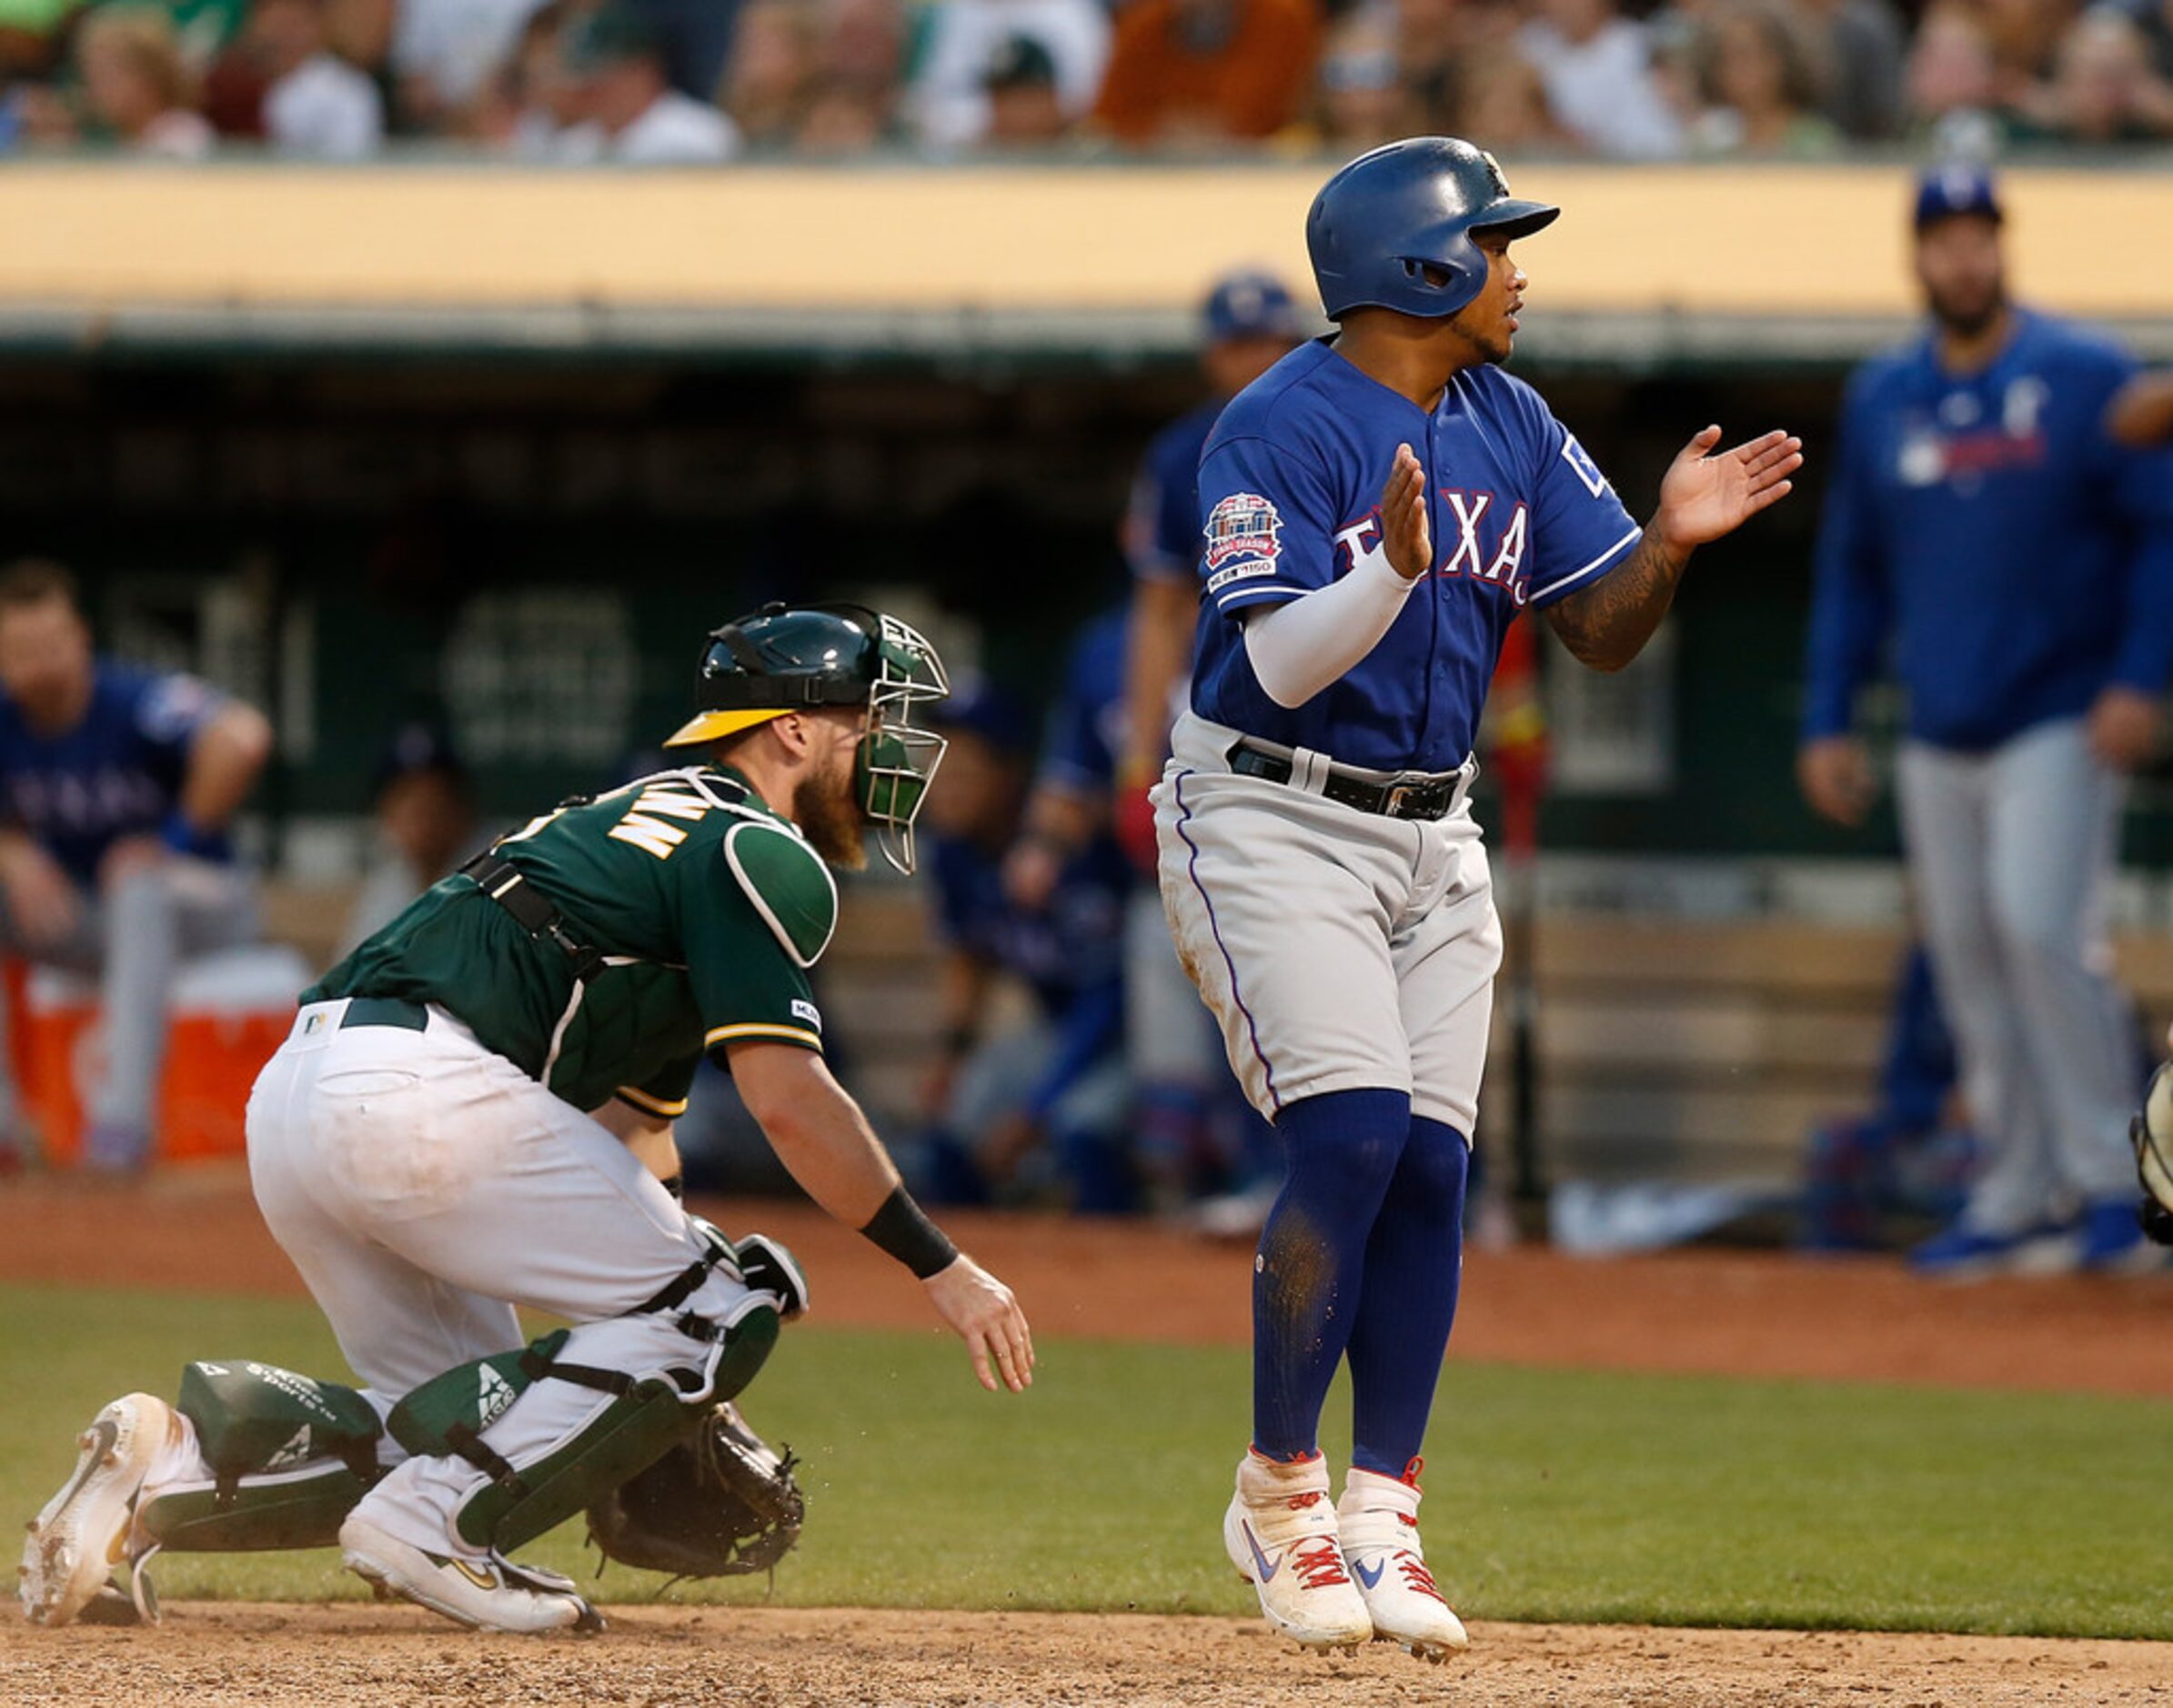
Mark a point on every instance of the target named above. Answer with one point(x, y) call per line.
point(714, 726)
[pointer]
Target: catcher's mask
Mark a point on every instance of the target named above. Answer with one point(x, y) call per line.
point(795, 657)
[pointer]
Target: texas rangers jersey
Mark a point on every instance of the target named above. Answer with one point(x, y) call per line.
point(708, 908)
point(1289, 495)
point(2020, 559)
point(117, 773)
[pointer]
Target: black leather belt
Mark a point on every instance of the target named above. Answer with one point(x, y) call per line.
point(504, 883)
point(384, 1012)
point(1434, 799)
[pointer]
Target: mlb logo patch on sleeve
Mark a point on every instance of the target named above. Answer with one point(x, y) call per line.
point(1244, 537)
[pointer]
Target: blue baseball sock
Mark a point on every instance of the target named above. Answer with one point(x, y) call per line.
point(1339, 1151)
point(1407, 1300)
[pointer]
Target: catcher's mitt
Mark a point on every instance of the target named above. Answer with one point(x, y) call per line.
point(719, 1503)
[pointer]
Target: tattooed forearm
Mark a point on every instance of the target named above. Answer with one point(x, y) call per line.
point(1608, 623)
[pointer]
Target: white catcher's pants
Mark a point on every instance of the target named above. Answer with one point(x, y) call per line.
point(1339, 949)
point(423, 1186)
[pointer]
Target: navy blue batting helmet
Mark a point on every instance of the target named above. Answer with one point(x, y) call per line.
point(1383, 221)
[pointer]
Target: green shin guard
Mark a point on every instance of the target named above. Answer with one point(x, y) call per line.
point(289, 1457)
point(633, 1432)
point(646, 1418)
point(448, 1412)
point(297, 1508)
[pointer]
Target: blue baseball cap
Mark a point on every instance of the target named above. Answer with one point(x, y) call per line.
point(1250, 304)
point(1958, 188)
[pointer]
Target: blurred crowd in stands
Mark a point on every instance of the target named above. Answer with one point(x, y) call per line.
point(688, 82)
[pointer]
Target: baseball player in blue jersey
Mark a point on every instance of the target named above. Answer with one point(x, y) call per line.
point(2023, 565)
point(1043, 1100)
point(116, 785)
point(1183, 1096)
point(1376, 510)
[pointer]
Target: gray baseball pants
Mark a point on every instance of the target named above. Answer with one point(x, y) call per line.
point(2010, 852)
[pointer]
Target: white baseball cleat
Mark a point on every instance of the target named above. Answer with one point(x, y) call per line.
point(1281, 1534)
point(1378, 1517)
point(486, 1594)
point(81, 1539)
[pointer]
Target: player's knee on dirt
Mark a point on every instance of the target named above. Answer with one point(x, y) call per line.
point(662, 1373)
point(289, 1456)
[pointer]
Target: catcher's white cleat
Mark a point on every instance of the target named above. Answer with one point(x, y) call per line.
point(1378, 1516)
point(81, 1539)
point(1280, 1532)
point(488, 1593)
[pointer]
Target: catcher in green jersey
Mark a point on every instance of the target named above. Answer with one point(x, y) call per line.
point(474, 1111)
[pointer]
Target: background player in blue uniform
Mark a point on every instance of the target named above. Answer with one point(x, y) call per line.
point(2023, 565)
point(1189, 1131)
point(116, 787)
point(1185, 1103)
point(1042, 1104)
point(1248, 324)
point(1376, 510)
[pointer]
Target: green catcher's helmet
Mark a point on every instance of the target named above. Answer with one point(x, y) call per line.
point(800, 658)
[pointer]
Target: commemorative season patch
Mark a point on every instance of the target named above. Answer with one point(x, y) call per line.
point(1243, 527)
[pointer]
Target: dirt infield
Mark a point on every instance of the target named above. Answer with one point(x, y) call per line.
point(1696, 1312)
point(361, 1656)
point(1722, 1313)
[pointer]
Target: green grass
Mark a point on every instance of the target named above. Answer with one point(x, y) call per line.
point(1552, 1494)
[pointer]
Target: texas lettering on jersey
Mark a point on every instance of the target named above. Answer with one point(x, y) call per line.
point(1478, 547)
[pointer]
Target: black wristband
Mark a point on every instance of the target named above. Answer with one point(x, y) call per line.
point(676, 1185)
point(903, 1230)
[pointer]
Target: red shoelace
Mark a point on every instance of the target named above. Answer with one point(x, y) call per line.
point(1416, 1575)
point(1319, 1564)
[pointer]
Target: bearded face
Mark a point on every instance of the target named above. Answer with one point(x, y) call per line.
point(1959, 265)
point(826, 807)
